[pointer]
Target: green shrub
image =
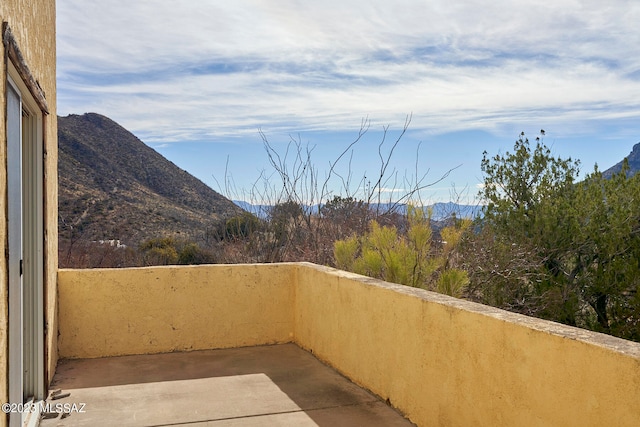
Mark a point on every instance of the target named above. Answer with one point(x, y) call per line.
point(168, 251)
point(159, 251)
point(241, 226)
point(191, 253)
point(412, 259)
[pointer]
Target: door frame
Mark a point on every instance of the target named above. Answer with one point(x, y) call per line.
point(25, 197)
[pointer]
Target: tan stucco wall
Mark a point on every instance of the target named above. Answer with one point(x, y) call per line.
point(164, 309)
point(448, 362)
point(440, 360)
point(33, 26)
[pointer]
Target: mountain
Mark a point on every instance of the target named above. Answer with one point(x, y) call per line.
point(634, 163)
point(439, 211)
point(114, 187)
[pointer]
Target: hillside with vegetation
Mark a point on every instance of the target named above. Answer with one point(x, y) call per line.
point(115, 189)
point(545, 245)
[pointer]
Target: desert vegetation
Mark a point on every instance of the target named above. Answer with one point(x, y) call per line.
point(547, 245)
point(555, 248)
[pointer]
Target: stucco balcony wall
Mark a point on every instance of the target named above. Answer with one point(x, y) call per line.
point(116, 312)
point(439, 360)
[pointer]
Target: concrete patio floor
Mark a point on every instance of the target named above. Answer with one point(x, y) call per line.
point(279, 385)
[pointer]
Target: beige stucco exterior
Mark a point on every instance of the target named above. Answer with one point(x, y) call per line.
point(32, 25)
point(110, 312)
point(440, 360)
point(449, 362)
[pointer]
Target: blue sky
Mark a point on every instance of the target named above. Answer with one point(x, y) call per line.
point(198, 80)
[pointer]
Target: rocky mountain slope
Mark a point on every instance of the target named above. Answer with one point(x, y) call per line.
point(634, 163)
point(114, 187)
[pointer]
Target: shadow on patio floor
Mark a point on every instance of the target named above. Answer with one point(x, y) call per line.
point(278, 385)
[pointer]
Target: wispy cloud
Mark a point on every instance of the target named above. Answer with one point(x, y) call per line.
point(180, 70)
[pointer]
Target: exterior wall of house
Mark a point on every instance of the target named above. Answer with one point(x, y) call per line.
point(32, 24)
point(439, 360)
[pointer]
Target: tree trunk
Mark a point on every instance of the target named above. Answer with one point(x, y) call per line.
point(600, 306)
